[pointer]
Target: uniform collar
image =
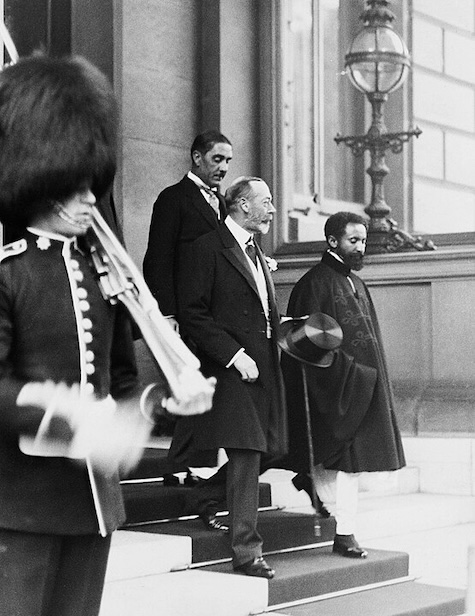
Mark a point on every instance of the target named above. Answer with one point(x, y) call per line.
point(41, 233)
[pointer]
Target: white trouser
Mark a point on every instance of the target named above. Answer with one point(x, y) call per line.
point(338, 491)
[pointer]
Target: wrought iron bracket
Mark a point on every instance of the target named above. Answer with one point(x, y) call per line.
point(399, 240)
point(386, 141)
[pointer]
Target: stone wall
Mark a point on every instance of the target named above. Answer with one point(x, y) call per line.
point(424, 302)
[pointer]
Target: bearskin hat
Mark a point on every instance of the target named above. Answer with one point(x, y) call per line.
point(58, 132)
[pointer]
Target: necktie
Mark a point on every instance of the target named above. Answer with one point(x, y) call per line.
point(251, 251)
point(213, 200)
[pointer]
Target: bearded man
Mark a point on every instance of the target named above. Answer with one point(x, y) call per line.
point(230, 313)
point(354, 426)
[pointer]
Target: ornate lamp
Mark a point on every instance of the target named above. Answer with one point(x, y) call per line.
point(377, 63)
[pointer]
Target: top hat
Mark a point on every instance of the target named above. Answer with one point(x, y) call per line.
point(312, 339)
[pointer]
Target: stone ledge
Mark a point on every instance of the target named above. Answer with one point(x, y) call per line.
point(438, 408)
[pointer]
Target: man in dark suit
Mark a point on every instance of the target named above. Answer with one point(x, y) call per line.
point(229, 312)
point(182, 213)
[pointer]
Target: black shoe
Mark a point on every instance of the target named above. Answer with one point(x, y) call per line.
point(302, 481)
point(211, 521)
point(257, 568)
point(191, 480)
point(346, 545)
point(170, 480)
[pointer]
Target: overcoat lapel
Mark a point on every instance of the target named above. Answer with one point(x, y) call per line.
point(267, 276)
point(274, 313)
point(233, 253)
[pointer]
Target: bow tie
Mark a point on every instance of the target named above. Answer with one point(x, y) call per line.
point(209, 190)
point(213, 199)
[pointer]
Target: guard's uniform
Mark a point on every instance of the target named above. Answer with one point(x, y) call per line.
point(55, 325)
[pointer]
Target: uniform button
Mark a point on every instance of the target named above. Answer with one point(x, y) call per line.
point(74, 264)
point(81, 293)
point(90, 369)
point(78, 276)
point(89, 388)
point(84, 305)
point(87, 337)
point(90, 356)
point(87, 324)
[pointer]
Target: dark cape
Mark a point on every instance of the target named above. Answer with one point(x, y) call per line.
point(354, 427)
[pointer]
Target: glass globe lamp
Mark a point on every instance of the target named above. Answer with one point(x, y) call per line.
point(378, 58)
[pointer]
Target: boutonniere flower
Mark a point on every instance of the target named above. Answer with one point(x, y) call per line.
point(271, 264)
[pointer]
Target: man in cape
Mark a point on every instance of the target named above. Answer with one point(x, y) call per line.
point(353, 422)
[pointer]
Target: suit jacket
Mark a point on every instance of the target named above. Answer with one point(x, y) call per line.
point(222, 312)
point(180, 215)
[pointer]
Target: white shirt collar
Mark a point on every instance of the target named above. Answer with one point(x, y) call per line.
point(337, 257)
point(199, 182)
point(242, 236)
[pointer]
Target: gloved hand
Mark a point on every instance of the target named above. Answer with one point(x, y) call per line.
point(111, 439)
point(194, 396)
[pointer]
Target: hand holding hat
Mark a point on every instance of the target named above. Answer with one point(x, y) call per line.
point(311, 339)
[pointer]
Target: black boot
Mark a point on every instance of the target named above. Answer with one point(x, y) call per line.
point(346, 545)
point(302, 481)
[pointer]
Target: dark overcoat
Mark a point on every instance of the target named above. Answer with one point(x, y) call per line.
point(223, 313)
point(180, 215)
point(354, 425)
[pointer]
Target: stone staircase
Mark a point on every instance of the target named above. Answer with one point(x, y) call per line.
point(165, 565)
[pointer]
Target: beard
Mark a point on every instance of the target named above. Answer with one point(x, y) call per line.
point(256, 224)
point(354, 261)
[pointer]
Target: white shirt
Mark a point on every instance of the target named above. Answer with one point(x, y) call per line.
point(242, 237)
point(205, 191)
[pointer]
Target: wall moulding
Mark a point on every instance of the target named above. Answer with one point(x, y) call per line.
point(411, 267)
point(393, 268)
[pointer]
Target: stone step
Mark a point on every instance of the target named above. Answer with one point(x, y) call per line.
point(404, 481)
point(279, 530)
point(317, 571)
point(185, 593)
point(402, 599)
point(151, 501)
point(389, 505)
point(135, 554)
point(132, 588)
point(411, 513)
